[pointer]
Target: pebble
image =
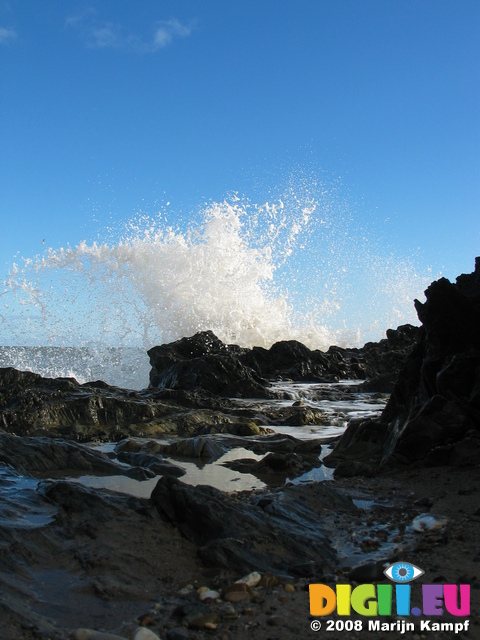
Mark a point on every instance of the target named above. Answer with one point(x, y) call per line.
point(236, 592)
point(289, 588)
point(269, 580)
point(237, 596)
point(142, 633)
point(208, 594)
point(186, 591)
point(252, 579)
point(91, 634)
point(426, 522)
point(210, 625)
point(228, 611)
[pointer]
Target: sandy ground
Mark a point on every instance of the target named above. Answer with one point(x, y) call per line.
point(114, 568)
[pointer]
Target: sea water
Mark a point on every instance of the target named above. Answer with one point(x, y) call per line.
point(126, 367)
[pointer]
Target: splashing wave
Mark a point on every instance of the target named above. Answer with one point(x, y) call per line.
point(297, 268)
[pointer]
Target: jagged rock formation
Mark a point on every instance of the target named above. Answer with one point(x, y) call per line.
point(203, 362)
point(433, 415)
point(33, 405)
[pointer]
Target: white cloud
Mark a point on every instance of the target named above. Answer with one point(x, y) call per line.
point(108, 35)
point(7, 35)
point(78, 20)
point(167, 30)
point(100, 35)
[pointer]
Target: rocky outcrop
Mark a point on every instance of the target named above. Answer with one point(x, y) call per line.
point(31, 405)
point(193, 384)
point(43, 456)
point(433, 415)
point(203, 362)
point(275, 531)
point(376, 362)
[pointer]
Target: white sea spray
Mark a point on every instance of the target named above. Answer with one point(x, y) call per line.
point(295, 267)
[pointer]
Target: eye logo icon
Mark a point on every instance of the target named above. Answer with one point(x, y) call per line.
point(403, 572)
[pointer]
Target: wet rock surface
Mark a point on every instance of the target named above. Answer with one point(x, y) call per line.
point(433, 415)
point(279, 532)
point(204, 362)
point(275, 468)
point(40, 457)
point(33, 405)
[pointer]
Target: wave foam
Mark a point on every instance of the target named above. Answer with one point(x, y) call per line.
point(298, 268)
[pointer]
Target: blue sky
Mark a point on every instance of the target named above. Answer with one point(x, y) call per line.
point(114, 107)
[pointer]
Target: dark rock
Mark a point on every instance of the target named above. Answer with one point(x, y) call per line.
point(42, 456)
point(289, 359)
point(351, 468)
point(33, 405)
point(198, 447)
point(436, 401)
point(363, 440)
point(74, 498)
point(238, 534)
point(21, 508)
point(204, 362)
point(282, 465)
point(191, 382)
point(281, 443)
point(154, 463)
